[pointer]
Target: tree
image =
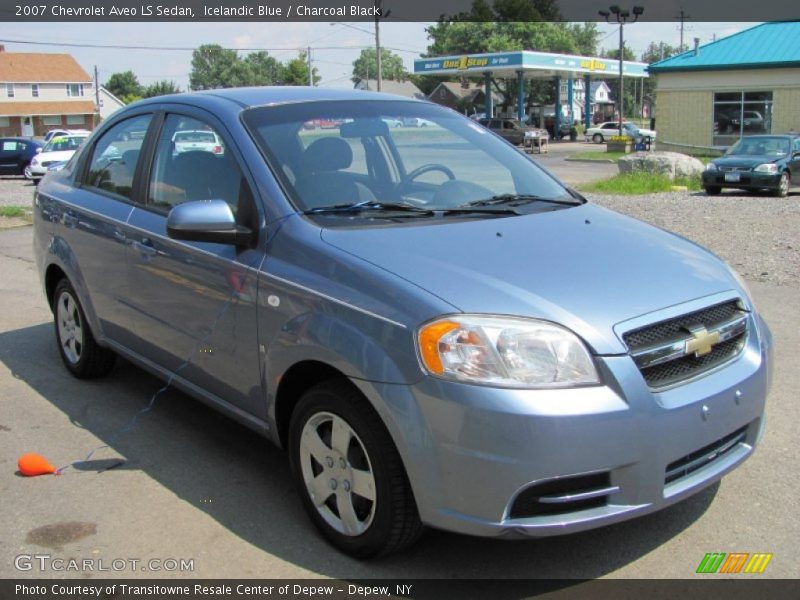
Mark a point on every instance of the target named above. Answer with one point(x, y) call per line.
point(214, 67)
point(160, 88)
point(295, 72)
point(125, 86)
point(366, 66)
point(264, 70)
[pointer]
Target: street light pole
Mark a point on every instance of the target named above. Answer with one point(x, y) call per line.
point(621, 17)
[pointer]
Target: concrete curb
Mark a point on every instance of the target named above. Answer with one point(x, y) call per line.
point(591, 160)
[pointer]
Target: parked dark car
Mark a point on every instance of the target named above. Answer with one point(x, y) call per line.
point(510, 130)
point(757, 162)
point(16, 154)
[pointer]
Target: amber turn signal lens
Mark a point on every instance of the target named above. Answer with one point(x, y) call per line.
point(429, 338)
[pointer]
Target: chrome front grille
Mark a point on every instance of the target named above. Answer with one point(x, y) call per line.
point(673, 350)
point(734, 169)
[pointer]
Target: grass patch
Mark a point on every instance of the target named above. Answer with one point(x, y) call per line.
point(634, 184)
point(14, 211)
point(599, 155)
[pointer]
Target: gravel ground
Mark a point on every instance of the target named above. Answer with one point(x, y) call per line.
point(16, 191)
point(758, 235)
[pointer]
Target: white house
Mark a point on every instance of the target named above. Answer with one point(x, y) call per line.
point(39, 92)
point(599, 94)
point(109, 103)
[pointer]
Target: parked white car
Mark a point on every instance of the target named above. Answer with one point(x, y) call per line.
point(200, 140)
point(61, 132)
point(599, 133)
point(58, 149)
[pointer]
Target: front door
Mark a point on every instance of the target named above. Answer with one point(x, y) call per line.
point(196, 302)
point(27, 126)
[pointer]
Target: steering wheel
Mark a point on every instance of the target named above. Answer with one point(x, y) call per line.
point(409, 177)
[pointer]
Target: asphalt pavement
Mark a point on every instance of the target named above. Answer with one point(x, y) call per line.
point(198, 487)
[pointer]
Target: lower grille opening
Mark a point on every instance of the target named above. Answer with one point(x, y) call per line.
point(683, 467)
point(551, 497)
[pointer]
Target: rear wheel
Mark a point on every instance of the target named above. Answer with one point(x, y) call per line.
point(597, 138)
point(348, 473)
point(713, 190)
point(76, 344)
point(783, 186)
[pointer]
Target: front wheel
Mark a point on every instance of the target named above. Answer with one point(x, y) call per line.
point(597, 138)
point(349, 474)
point(783, 186)
point(78, 349)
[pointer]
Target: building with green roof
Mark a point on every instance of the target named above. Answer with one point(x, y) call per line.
point(743, 84)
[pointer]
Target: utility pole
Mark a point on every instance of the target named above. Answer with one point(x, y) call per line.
point(683, 17)
point(310, 71)
point(621, 16)
point(96, 90)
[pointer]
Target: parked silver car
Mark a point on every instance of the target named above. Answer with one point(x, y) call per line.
point(437, 330)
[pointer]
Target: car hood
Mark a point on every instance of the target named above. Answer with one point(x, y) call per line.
point(745, 160)
point(587, 268)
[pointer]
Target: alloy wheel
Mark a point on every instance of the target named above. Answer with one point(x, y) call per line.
point(70, 328)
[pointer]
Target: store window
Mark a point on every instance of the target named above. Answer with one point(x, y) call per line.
point(738, 114)
point(35, 90)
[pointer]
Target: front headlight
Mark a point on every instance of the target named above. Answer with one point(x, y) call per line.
point(711, 167)
point(766, 168)
point(35, 162)
point(505, 352)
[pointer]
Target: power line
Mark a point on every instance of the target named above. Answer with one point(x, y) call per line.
point(192, 49)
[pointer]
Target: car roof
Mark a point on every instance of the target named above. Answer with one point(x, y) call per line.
point(266, 95)
point(20, 139)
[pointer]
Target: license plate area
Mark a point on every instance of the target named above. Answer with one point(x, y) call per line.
point(732, 177)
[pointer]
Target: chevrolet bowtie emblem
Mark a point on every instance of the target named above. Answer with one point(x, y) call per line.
point(702, 341)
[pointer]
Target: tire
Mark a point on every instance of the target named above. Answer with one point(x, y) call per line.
point(78, 349)
point(377, 526)
point(597, 138)
point(713, 190)
point(783, 186)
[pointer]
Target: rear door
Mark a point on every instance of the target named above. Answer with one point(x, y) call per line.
point(195, 303)
point(90, 224)
point(11, 152)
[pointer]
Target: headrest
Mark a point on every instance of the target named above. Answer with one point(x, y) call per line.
point(328, 154)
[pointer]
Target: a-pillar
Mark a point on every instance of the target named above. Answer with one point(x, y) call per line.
point(487, 93)
point(520, 96)
point(587, 102)
point(557, 108)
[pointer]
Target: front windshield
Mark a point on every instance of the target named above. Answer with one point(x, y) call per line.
point(760, 146)
point(401, 152)
point(61, 144)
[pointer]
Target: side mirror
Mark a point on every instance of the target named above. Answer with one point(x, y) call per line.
point(38, 149)
point(207, 221)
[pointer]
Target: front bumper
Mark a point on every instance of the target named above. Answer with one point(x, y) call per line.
point(472, 451)
point(35, 171)
point(748, 180)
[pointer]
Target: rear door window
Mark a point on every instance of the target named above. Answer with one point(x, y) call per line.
point(115, 156)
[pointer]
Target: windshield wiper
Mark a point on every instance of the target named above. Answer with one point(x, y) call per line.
point(518, 200)
point(370, 205)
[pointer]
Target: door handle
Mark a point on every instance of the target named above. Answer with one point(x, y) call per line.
point(145, 247)
point(69, 220)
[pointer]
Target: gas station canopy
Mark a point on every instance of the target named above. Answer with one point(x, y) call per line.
point(534, 65)
point(528, 64)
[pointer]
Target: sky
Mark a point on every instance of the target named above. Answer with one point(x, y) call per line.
point(334, 64)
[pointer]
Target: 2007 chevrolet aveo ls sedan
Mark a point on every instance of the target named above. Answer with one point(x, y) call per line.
point(437, 330)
